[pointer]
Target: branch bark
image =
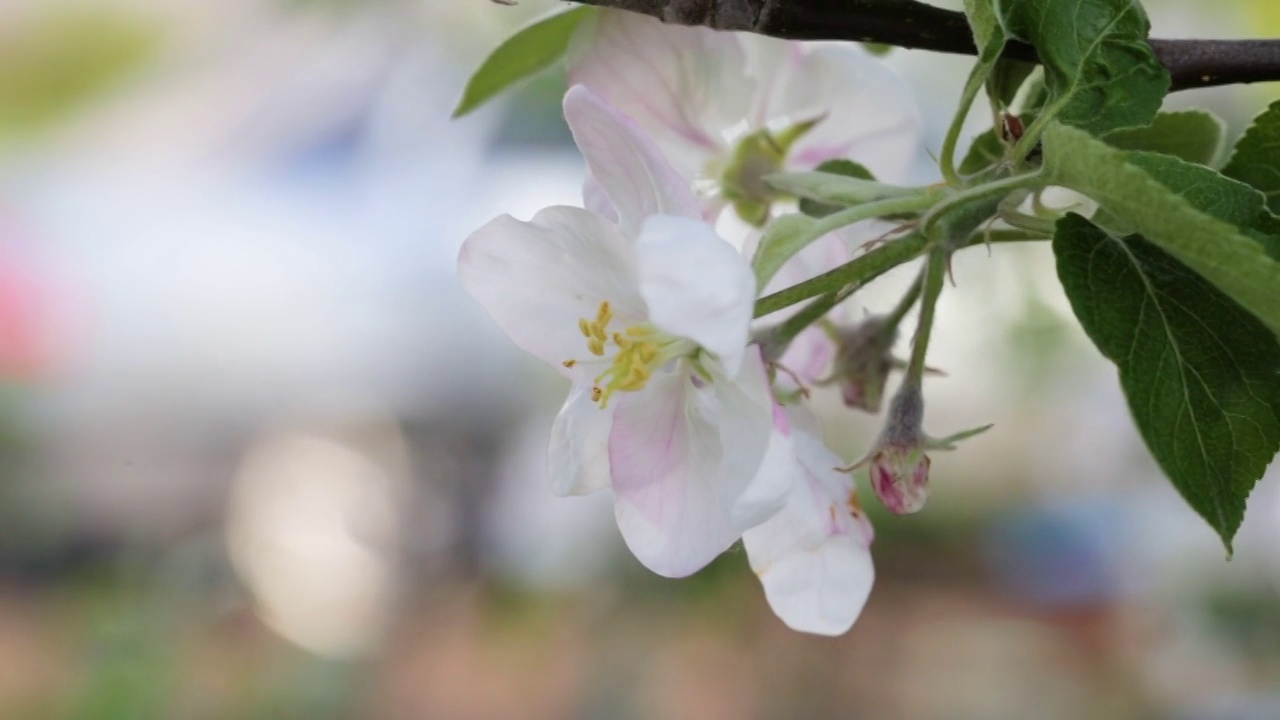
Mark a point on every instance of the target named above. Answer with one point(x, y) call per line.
point(910, 24)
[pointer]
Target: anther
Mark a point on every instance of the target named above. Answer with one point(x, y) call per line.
point(569, 363)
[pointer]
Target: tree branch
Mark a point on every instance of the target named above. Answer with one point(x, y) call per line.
point(910, 24)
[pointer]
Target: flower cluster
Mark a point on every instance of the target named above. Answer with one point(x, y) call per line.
point(646, 308)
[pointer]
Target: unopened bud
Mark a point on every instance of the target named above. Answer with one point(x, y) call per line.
point(863, 362)
point(898, 465)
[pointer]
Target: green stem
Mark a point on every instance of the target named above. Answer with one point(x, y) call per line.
point(781, 336)
point(976, 194)
point(947, 163)
point(775, 251)
point(814, 311)
point(1031, 136)
point(845, 279)
point(935, 274)
point(1028, 223)
point(1003, 235)
point(904, 305)
point(856, 273)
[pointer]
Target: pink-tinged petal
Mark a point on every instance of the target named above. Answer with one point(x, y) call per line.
point(773, 62)
point(696, 286)
point(808, 357)
point(538, 278)
point(578, 459)
point(813, 557)
point(756, 472)
point(596, 200)
point(869, 112)
point(684, 85)
point(900, 479)
point(664, 458)
point(28, 314)
point(636, 177)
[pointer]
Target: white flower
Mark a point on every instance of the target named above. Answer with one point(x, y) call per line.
point(647, 312)
point(728, 108)
point(814, 556)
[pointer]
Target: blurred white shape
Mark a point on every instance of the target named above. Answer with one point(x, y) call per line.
point(313, 530)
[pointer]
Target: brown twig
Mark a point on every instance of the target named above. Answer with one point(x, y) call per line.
point(910, 24)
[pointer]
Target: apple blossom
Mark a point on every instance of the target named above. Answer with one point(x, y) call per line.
point(730, 108)
point(646, 311)
point(813, 557)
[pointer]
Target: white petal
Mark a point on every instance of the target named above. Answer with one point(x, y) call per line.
point(630, 168)
point(869, 112)
point(595, 199)
point(537, 279)
point(773, 63)
point(813, 558)
point(578, 458)
point(664, 458)
point(696, 286)
point(757, 471)
point(684, 85)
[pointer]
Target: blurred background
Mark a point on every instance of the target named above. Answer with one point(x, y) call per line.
point(261, 457)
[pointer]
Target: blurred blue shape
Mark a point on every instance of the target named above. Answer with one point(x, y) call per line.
point(1059, 556)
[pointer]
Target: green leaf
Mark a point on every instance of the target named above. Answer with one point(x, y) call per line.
point(1196, 231)
point(1099, 70)
point(1193, 135)
point(1006, 79)
point(989, 37)
point(986, 151)
point(1199, 372)
point(531, 50)
point(1216, 195)
point(60, 57)
point(988, 34)
point(832, 185)
point(1256, 159)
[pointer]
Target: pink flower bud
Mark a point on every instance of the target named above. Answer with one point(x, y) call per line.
point(863, 362)
point(900, 477)
point(899, 467)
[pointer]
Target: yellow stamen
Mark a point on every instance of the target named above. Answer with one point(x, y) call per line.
point(640, 349)
point(569, 363)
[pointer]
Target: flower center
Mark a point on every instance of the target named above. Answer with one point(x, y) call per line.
point(637, 351)
point(759, 154)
